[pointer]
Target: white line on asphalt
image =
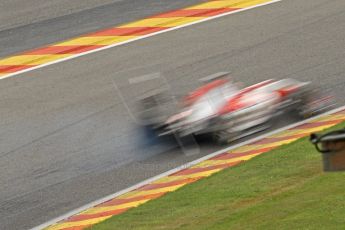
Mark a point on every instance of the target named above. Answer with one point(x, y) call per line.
point(135, 39)
point(187, 165)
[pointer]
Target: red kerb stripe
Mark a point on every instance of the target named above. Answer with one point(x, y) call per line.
point(13, 68)
point(227, 156)
point(82, 217)
point(130, 31)
point(168, 184)
point(63, 49)
point(204, 169)
point(194, 13)
point(128, 200)
point(270, 140)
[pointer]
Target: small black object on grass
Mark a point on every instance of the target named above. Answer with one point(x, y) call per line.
point(332, 147)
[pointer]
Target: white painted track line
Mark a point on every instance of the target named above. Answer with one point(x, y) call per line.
point(135, 39)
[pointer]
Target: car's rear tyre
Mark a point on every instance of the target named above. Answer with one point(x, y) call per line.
point(222, 137)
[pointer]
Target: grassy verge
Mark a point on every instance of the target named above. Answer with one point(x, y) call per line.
point(282, 189)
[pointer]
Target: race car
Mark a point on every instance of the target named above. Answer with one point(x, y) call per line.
point(228, 112)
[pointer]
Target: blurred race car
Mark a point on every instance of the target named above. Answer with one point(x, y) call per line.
point(221, 108)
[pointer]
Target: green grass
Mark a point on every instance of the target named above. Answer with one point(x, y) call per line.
point(282, 189)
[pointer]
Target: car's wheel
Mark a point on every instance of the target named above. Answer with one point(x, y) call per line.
point(222, 137)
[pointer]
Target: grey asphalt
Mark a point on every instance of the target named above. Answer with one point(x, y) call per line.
point(28, 24)
point(67, 138)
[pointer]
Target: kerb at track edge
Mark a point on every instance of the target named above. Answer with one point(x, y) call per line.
point(112, 196)
point(135, 39)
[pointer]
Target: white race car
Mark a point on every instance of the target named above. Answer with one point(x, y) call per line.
point(220, 108)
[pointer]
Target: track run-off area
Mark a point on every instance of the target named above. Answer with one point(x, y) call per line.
point(66, 138)
point(160, 185)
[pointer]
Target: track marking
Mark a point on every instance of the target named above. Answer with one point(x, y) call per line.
point(117, 36)
point(172, 180)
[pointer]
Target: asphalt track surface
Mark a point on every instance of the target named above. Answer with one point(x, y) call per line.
point(28, 24)
point(67, 139)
